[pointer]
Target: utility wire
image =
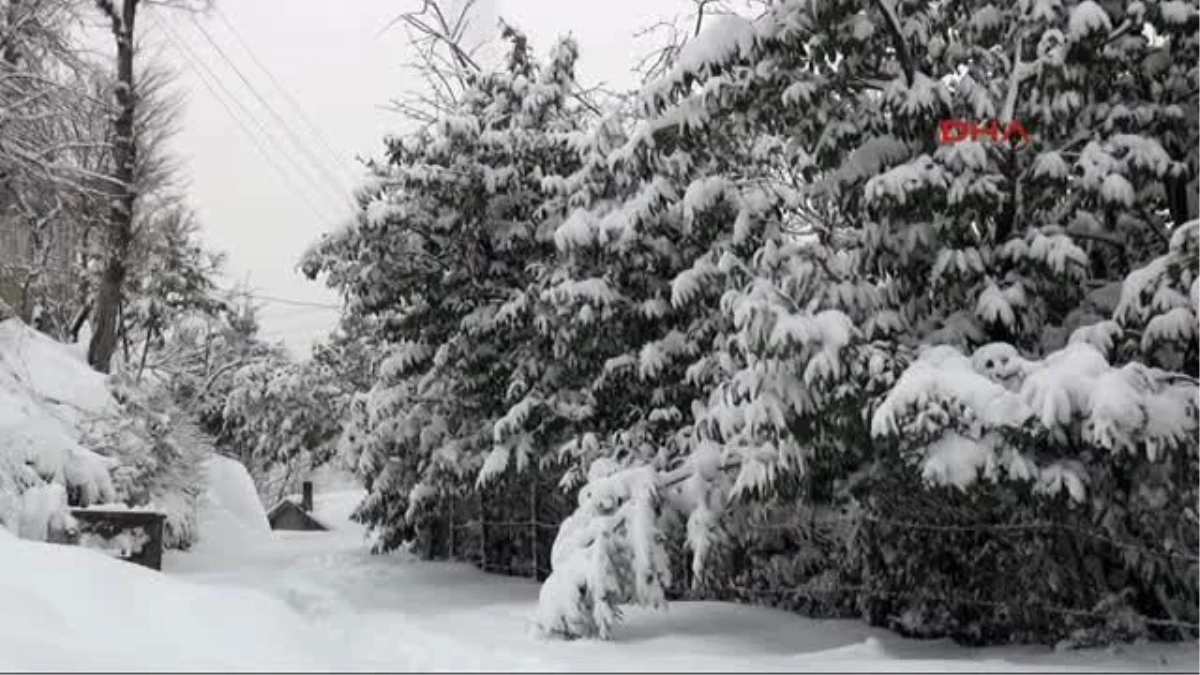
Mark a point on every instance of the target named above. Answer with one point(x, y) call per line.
point(324, 328)
point(271, 76)
point(297, 303)
point(321, 182)
point(301, 322)
point(296, 140)
point(198, 66)
point(255, 295)
point(292, 312)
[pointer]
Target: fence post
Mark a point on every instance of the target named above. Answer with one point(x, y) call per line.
point(453, 528)
point(483, 561)
point(535, 543)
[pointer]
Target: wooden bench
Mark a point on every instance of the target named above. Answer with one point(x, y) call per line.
point(115, 529)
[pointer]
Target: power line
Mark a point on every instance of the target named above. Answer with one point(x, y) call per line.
point(322, 183)
point(271, 76)
point(297, 303)
point(202, 70)
point(296, 140)
point(267, 330)
point(301, 322)
point(194, 61)
point(293, 312)
point(254, 295)
point(322, 320)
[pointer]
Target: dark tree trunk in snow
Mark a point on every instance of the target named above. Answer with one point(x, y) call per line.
point(120, 225)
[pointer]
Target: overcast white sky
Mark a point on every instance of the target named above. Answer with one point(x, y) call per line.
point(328, 58)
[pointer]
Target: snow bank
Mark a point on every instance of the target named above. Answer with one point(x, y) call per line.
point(46, 395)
point(232, 513)
point(60, 603)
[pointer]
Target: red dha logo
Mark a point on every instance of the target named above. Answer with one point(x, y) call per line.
point(958, 131)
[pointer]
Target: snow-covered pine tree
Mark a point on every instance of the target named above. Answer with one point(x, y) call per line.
point(671, 214)
point(906, 243)
point(201, 355)
point(448, 252)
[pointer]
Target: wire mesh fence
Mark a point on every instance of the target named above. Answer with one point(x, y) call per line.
point(936, 564)
point(505, 527)
point(972, 570)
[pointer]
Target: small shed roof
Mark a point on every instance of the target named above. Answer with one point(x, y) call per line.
point(288, 505)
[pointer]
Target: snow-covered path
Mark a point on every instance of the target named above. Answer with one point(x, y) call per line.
point(388, 612)
point(394, 613)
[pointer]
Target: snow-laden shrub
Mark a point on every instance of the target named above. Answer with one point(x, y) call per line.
point(158, 454)
point(1020, 458)
point(1156, 316)
point(608, 553)
point(996, 414)
point(1030, 458)
point(43, 515)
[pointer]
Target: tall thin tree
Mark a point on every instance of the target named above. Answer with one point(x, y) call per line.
point(122, 17)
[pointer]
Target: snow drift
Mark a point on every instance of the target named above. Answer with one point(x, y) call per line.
point(59, 604)
point(231, 512)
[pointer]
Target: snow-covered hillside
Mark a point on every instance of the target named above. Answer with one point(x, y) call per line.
point(51, 404)
point(47, 395)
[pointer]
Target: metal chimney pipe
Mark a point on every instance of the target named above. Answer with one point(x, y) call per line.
point(306, 499)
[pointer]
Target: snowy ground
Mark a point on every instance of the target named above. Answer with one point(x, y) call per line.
point(393, 613)
point(319, 602)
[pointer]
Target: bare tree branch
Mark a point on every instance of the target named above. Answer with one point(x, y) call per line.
point(898, 41)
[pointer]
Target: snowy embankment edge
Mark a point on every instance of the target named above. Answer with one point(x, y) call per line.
point(60, 603)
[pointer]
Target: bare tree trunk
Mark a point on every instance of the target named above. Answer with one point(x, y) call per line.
point(120, 225)
point(145, 353)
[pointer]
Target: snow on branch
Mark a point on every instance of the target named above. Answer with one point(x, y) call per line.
point(728, 38)
point(608, 553)
point(964, 417)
